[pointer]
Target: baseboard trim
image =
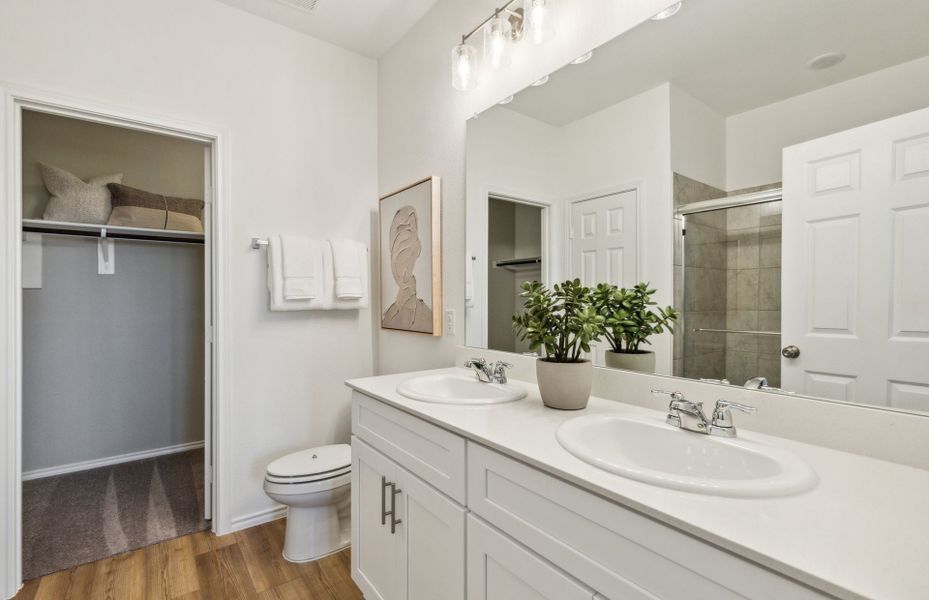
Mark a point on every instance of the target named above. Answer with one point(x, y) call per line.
point(109, 460)
point(258, 518)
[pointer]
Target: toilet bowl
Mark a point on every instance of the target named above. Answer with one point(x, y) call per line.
point(314, 485)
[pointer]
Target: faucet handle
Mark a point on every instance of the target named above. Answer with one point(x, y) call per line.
point(499, 371)
point(726, 404)
point(722, 418)
point(476, 362)
point(675, 396)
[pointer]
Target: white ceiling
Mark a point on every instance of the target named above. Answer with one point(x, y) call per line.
point(735, 55)
point(370, 27)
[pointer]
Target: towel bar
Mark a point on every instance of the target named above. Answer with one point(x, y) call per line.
point(257, 243)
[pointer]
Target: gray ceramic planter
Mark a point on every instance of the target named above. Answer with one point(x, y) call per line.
point(565, 386)
point(642, 361)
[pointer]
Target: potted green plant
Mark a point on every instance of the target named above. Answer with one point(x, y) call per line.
point(563, 322)
point(630, 320)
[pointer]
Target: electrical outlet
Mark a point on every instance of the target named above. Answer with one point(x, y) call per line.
point(450, 322)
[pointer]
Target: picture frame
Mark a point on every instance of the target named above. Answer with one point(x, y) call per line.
point(410, 269)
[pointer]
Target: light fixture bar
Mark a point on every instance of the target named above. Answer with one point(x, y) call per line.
point(504, 8)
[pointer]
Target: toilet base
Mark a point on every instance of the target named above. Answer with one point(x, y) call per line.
point(314, 532)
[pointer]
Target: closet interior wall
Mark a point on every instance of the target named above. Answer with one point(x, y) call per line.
point(112, 364)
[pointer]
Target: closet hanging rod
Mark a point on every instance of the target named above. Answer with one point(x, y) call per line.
point(111, 232)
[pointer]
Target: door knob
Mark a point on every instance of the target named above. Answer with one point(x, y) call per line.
point(790, 351)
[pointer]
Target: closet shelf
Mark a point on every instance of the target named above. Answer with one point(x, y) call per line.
point(110, 231)
point(519, 264)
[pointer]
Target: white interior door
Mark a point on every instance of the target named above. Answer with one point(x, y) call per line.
point(208, 335)
point(604, 244)
point(855, 294)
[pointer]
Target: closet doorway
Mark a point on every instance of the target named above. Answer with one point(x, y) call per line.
point(115, 324)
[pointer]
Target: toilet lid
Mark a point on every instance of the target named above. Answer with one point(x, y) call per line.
point(315, 461)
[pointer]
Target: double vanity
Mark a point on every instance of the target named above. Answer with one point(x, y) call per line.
point(471, 489)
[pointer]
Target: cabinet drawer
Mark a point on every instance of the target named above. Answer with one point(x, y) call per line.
point(501, 569)
point(434, 455)
point(618, 552)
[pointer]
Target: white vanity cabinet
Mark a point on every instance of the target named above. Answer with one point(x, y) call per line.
point(463, 511)
point(408, 539)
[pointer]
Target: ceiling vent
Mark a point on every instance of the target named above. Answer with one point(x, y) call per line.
point(304, 5)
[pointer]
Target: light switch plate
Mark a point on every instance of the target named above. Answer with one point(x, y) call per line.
point(450, 322)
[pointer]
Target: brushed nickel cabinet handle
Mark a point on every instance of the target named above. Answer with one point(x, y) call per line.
point(384, 511)
point(394, 521)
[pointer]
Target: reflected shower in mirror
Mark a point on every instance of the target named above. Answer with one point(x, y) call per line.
point(774, 194)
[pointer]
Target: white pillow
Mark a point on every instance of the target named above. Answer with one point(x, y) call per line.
point(75, 200)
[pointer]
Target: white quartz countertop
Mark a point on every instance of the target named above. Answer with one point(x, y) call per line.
point(862, 532)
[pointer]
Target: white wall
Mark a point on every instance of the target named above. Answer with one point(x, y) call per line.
point(754, 139)
point(421, 127)
point(302, 121)
point(630, 144)
point(698, 140)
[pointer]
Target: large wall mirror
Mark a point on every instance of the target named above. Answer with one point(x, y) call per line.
point(763, 165)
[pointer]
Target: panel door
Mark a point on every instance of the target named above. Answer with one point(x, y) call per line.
point(433, 538)
point(604, 246)
point(501, 569)
point(855, 295)
point(376, 564)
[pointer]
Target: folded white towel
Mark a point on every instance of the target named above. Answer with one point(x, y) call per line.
point(348, 260)
point(299, 276)
point(276, 300)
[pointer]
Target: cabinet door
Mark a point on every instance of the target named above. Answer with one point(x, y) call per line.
point(376, 552)
point(501, 569)
point(433, 528)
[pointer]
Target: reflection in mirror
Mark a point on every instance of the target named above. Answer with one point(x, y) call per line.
point(763, 165)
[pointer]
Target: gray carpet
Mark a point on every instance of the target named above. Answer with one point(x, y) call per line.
point(81, 517)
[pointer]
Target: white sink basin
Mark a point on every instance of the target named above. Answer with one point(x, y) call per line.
point(451, 388)
point(649, 450)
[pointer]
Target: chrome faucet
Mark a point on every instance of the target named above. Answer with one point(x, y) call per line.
point(489, 372)
point(757, 383)
point(689, 415)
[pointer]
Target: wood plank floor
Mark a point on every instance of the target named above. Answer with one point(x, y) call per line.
point(243, 565)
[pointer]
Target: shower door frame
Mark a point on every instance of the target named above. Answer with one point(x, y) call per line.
point(13, 100)
point(760, 197)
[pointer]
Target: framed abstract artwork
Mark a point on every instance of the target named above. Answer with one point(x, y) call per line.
point(411, 258)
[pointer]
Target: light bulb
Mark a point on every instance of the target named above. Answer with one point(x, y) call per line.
point(497, 38)
point(668, 12)
point(539, 21)
point(464, 67)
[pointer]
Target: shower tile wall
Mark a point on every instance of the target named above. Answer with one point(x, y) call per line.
point(728, 278)
point(700, 284)
point(753, 291)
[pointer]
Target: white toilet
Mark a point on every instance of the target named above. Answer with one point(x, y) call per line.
point(314, 484)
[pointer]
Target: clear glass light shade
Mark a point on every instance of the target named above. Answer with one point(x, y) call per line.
point(498, 35)
point(464, 67)
point(540, 25)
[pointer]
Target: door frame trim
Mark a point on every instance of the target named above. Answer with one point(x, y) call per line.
point(549, 223)
point(13, 99)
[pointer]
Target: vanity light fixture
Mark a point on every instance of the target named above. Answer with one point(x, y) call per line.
point(506, 100)
point(503, 28)
point(464, 66)
point(539, 21)
point(541, 81)
point(583, 58)
point(498, 35)
point(667, 13)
